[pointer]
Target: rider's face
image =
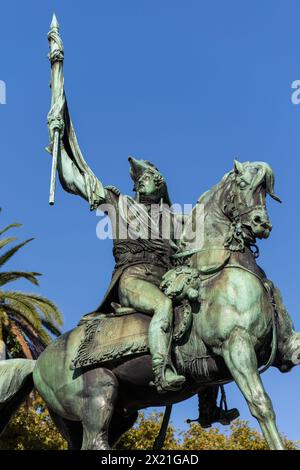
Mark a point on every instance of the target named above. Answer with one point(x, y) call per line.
point(147, 185)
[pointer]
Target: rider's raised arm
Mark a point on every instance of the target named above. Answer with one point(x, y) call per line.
point(70, 177)
point(75, 175)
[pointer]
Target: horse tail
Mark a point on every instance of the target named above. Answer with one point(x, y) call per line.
point(15, 384)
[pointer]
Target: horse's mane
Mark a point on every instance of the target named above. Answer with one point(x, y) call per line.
point(265, 175)
point(220, 186)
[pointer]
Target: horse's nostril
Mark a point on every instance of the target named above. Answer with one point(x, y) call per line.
point(266, 225)
point(259, 220)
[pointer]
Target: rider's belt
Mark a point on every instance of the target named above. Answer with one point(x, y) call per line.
point(132, 252)
point(143, 257)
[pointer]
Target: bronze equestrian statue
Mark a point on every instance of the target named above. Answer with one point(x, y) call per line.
point(236, 325)
point(181, 316)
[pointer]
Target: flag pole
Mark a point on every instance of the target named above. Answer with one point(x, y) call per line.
point(55, 118)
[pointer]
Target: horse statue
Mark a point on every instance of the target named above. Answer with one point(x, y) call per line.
point(231, 326)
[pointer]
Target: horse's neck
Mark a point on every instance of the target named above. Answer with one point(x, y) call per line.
point(215, 223)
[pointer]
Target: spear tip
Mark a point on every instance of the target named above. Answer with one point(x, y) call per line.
point(54, 22)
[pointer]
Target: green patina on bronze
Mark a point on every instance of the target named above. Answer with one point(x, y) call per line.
point(111, 337)
point(207, 314)
point(228, 337)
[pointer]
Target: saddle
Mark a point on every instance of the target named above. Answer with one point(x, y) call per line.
point(111, 337)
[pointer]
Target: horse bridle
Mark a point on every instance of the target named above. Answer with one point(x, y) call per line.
point(236, 223)
point(237, 202)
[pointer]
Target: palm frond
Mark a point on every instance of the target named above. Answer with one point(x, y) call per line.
point(25, 317)
point(47, 307)
point(11, 276)
point(51, 327)
point(42, 336)
point(20, 306)
point(35, 339)
point(3, 317)
point(9, 227)
point(4, 258)
point(22, 315)
point(6, 241)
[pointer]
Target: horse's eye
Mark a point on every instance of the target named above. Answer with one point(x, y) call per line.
point(243, 184)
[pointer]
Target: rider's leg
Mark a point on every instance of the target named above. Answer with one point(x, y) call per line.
point(160, 331)
point(207, 404)
point(240, 357)
point(148, 298)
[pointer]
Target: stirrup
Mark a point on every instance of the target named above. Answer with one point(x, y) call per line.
point(161, 382)
point(163, 386)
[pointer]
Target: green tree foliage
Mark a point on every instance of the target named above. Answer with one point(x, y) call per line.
point(32, 429)
point(143, 434)
point(25, 319)
point(239, 437)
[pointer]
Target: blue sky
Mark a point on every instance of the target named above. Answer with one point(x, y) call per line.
point(189, 85)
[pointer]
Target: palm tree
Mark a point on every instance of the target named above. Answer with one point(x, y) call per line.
point(25, 319)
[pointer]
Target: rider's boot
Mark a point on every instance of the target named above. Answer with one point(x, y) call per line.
point(166, 378)
point(165, 375)
point(217, 415)
point(210, 413)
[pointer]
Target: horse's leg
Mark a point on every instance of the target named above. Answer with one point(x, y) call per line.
point(240, 357)
point(98, 398)
point(119, 425)
point(70, 430)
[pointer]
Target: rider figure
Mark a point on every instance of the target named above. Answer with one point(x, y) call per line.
point(140, 262)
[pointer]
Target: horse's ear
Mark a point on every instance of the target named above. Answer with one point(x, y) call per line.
point(238, 167)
